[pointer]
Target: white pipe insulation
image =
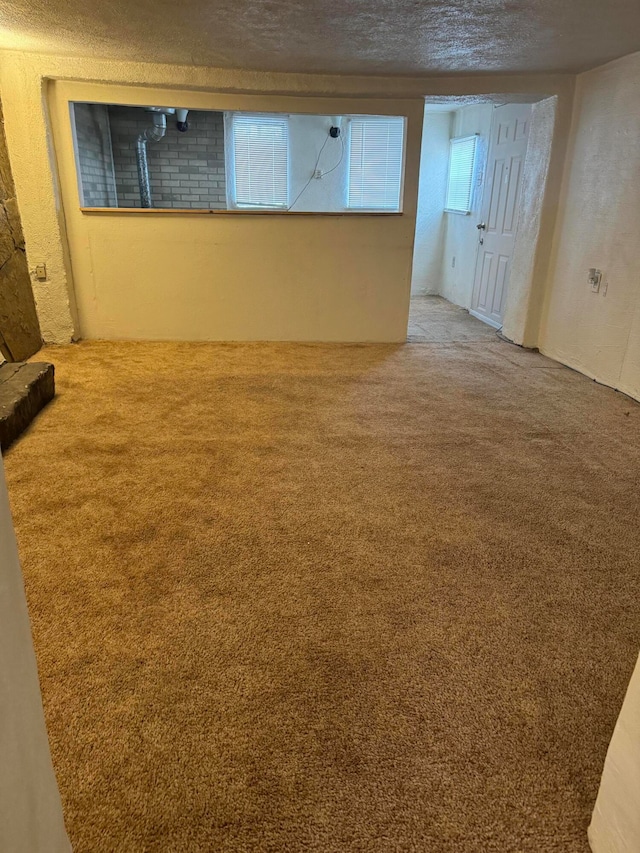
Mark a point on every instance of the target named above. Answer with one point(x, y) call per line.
point(181, 120)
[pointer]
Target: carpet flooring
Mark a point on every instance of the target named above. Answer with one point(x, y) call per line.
point(329, 598)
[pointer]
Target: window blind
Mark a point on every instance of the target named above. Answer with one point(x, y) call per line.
point(260, 160)
point(376, 150)
point(462, 157)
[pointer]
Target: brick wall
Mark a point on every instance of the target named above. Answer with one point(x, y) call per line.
point(186, 169)
point(94, 155)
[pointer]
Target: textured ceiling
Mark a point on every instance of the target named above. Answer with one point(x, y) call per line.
point(413, 37)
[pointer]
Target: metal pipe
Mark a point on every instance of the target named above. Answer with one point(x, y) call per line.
point(143, 171)
point(151, 134)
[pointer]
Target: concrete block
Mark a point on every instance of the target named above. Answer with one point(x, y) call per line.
point(25, 389)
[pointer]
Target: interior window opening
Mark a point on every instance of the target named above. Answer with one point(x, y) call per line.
point(173, 158)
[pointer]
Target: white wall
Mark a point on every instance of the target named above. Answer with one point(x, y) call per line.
point(430, 224)
point(461, 236)
point(599, 226)
point(30, 809)
point(307, 135)
point(615, 826)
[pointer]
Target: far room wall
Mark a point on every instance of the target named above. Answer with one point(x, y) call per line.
point(431, 223)
point(307, 136)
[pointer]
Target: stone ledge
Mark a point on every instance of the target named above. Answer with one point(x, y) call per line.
point(25, 389)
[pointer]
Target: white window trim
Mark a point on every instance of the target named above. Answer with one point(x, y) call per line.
point(230, 169)
point(400, 207)
point(474, 173)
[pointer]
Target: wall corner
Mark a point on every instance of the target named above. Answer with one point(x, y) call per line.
point(24, 93)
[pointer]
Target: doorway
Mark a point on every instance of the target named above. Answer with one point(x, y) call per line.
point(477, 187)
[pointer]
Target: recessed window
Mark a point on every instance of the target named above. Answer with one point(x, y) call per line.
point(174, 158)
point(462, 163)
point(376, 154)
point(260, 161)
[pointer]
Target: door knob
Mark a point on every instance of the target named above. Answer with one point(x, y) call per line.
point(482, 226)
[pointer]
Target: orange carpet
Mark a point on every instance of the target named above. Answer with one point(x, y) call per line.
point(329, 598)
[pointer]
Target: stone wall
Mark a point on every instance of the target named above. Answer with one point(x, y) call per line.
point(19, 329)
point(93, 138)
point(186, 169)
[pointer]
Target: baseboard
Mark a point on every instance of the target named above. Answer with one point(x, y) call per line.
point(628, 391)
point(486, 320)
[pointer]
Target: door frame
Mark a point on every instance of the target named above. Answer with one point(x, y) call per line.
point(536, 221)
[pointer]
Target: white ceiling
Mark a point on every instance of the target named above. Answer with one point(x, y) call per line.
point(409, 37)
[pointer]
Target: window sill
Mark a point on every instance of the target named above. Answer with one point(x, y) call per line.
point(146, 211)
point(458, 212)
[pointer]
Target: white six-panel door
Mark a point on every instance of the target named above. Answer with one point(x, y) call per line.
point(499, 211)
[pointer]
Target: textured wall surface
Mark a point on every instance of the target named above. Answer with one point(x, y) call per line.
point(186, 169)
point(95, 158)
point(529, 267)
point(233, 276)
point(615, 826)
point(599, 226)
point(19, 330)
point(22, 76)
point(430, 225)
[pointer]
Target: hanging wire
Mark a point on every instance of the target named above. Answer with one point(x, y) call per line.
point(316, 167)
